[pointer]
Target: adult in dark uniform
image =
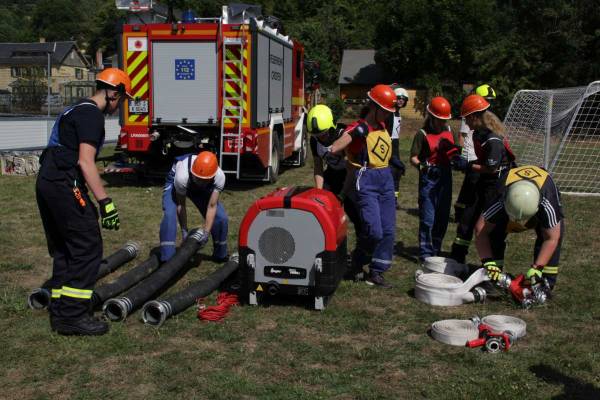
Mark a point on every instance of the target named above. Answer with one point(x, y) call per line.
point(393, 125)
point(70, 219)
point(531, 201)
point(494, 158)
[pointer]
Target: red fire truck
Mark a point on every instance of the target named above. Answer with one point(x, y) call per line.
point(233, 85)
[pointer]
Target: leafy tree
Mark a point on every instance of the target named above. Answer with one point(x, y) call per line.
point(59, 20)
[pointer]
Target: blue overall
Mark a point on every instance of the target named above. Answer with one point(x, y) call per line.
point(377, 205)
point(435, 195)
point(200, 197)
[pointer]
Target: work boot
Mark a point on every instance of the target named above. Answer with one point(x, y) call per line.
point(376, 279)
point(85, 326)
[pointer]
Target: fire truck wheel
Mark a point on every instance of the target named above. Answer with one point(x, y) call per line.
point(273, 169)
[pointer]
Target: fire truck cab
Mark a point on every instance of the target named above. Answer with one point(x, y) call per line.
point(233, 85)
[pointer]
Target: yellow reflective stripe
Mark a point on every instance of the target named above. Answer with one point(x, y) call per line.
point(110, 207)
point(76, 293)
point(142, 57)
point(462, 242)
point(56, 293)
point(550, 270)
point(140, 75)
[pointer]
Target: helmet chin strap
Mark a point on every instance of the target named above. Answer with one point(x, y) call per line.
point(107, 99)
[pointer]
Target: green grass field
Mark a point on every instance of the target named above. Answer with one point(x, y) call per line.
point(368, 343)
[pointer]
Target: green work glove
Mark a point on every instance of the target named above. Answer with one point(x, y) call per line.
point(534, 274)
point(109, 217)
point(493, 270)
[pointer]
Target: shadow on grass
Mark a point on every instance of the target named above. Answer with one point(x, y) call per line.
point(573, 388)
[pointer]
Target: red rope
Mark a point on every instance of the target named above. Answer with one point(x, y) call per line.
point(225, 300)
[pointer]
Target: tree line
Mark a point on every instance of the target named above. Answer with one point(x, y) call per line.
point(435, 44)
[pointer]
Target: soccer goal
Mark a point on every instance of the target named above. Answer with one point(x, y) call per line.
point(559, 129)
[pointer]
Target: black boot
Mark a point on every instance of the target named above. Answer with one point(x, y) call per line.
point(459, 252)
point(86, 326)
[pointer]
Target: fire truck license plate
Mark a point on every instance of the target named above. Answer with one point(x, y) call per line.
point(138, 106)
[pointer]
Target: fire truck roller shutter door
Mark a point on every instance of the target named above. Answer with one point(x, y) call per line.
point(262, 79)
point(184, 76)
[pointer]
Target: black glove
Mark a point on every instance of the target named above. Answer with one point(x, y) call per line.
point(109, 217)
point(459, 164)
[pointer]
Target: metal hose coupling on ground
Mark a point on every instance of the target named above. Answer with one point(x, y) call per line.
point(156, 312)
point(118, 309)
point(39, 298)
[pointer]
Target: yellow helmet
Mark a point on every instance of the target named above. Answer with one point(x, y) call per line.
point(522, 200)
point(486, 91)
point(320, 119)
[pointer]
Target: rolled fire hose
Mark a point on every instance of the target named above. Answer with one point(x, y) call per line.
point(446, 290)
point(39, 298)
point(156, 312)
point(127, 280)
point(502, 323)
point(117, 309)
point(457, 332)
point(444, 265)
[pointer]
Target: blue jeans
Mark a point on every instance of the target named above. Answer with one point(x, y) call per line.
point(435, 195)
point(168, 225)
point(377, 207)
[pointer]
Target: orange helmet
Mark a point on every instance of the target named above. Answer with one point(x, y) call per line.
point(440, 108)
point(473, 103)
point(384, 97)
point(205, 165)
point(116, 78)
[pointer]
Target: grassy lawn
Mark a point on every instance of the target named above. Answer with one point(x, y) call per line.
point(368, 343)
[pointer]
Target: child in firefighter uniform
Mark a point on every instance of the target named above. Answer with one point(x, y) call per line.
point(530, 200)
point(494, 158)
point(467, 195)
point(330, 172)
point(368, 151)
point(199, 178)
point(70, 219)
point(429, 153)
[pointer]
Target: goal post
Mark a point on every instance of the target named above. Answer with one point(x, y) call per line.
point(559, 129)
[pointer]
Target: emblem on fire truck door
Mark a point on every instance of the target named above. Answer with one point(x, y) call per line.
point(185, 69)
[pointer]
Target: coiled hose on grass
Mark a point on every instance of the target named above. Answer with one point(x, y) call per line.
point(156, 312)
point(117, 309)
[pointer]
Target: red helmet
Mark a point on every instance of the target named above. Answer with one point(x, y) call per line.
point(117, 79)
point(473, 103)
point(205, 165)
point(440, 108)
point(383, 96)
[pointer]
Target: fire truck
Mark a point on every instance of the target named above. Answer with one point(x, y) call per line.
point(233, 85)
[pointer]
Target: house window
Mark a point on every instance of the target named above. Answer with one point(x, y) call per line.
point(80, 93)
point(78, 73)
point(14, 72)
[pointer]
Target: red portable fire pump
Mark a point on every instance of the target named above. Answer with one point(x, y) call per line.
point(293, 242)
point(233, 84)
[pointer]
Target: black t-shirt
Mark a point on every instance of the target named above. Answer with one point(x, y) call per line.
point(82, 124)
point(493, 152)
point(549, 212)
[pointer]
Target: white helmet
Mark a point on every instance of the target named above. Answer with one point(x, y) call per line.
point(401, 92)
point(522, 200)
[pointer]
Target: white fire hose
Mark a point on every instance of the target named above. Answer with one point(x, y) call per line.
point(444, 265)
point(457, 332)
point(446, 290)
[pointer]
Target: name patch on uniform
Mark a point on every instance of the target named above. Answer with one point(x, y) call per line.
point(185, 69)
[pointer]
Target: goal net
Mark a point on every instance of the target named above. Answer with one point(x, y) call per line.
point(559, 129)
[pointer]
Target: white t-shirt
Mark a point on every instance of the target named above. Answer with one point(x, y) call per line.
point(182, 177)
point(396, 127)
point(468, 150)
